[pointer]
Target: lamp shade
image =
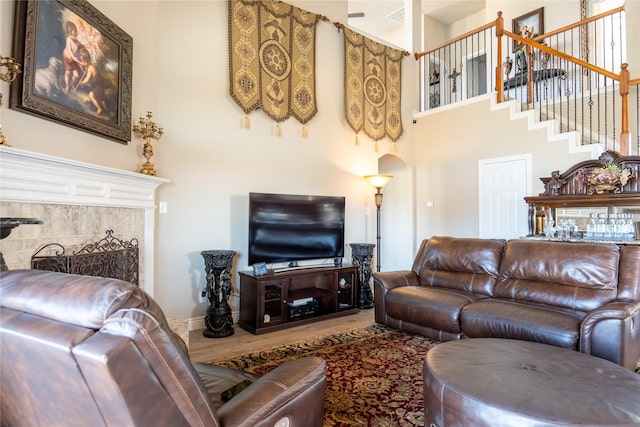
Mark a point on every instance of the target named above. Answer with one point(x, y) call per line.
point(378, 181)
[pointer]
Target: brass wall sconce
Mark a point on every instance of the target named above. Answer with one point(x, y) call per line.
point(378, 181)
point(9, 70)
point(147, 129)
point(3, 139)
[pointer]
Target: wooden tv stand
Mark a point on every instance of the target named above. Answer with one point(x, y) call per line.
point(280, 300)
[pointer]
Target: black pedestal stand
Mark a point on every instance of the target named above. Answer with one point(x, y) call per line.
point(361, 254)
point(8, 224)
point(218, 320)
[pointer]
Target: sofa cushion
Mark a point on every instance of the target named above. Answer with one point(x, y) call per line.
point(496, 318)
point(578, 276)
point(465, 264)
point(436, 308)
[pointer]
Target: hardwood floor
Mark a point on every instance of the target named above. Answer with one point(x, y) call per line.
point(203, 349)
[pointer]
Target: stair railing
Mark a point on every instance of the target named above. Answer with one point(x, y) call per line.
point(458, 69)
point(579, 94)
point(595, 36)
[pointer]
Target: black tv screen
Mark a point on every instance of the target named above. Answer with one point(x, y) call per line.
point(288, 227)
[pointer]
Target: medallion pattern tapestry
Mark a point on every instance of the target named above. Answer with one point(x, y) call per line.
point(272, 58)
point(372, 82)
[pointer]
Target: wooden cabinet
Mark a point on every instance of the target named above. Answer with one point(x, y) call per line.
point(290, 298)
point(571, 197)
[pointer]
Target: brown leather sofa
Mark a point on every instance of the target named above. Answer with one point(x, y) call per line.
point(581, 296)
point(87, 351)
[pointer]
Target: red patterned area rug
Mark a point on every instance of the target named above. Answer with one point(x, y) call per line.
point(374, 374)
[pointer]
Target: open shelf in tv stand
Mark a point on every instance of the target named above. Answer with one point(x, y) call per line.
point(266, 301)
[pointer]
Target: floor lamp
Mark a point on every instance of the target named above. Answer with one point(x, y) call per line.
point(378, 181)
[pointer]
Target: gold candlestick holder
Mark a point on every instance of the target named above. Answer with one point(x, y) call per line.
point(9, 70)
point(148, 130)
point(3, 139)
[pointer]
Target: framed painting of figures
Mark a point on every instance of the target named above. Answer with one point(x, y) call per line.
point(77, 67)
point(529, 25)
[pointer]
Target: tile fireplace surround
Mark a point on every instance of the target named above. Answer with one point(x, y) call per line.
point(77, 203)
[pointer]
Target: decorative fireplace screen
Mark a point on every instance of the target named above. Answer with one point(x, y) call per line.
point(109, 257)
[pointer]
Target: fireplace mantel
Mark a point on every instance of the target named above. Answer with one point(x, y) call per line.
point(30, 177)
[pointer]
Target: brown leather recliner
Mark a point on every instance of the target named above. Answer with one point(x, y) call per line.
point(88, 351)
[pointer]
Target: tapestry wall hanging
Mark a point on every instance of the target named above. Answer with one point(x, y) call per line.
point(372, 83)
point(272, 59)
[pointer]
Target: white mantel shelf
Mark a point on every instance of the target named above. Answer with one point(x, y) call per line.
point(30, 177)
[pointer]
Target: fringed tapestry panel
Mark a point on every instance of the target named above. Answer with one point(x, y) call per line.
point(372, 82)
point(272, 58)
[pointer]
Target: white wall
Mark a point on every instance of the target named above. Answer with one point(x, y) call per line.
point(181, 74)
point(471, 22)
point(557, 14)
point(632, 11)
point(447, 174)
point(36, 134)
point(214, 162)
point(450, 142)
point(434, 33)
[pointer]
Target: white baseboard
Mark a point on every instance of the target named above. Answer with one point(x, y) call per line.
point(196, 323)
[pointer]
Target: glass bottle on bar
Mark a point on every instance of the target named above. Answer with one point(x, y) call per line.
point(601, 226)
point(630, 228)
point(540, 220)
point(591, 226)
point(611, 227)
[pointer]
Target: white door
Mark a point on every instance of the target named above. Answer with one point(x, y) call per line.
point(503, 184)
point(476, 76)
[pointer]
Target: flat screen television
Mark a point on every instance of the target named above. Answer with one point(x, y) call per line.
point(289, 227)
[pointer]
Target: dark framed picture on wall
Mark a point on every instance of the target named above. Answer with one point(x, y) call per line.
point(76, 67)
point(529, 25)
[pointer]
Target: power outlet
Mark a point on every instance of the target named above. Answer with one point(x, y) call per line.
point(203, 295)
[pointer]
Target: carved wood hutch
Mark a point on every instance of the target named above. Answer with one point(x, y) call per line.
point(595, 200)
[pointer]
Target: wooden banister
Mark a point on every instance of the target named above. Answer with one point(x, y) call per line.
point(623, 78)
point(419, 55)
point(499, 31)
point(578, 24)
point(562, 55)
point(535, 44)
point(625, 136)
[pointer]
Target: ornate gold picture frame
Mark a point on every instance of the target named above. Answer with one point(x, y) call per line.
point(77, 67)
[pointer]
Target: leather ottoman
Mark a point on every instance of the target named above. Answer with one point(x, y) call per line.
point(499, 382)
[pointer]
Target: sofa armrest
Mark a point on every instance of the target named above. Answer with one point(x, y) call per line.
point(294, 390)
point(388, 280)
point(612, 332)
point(384, 282)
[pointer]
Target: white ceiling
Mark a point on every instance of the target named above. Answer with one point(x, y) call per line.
point(376, 23)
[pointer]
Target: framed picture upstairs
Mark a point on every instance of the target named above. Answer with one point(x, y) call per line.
point(76, 67)
point(529, 25)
